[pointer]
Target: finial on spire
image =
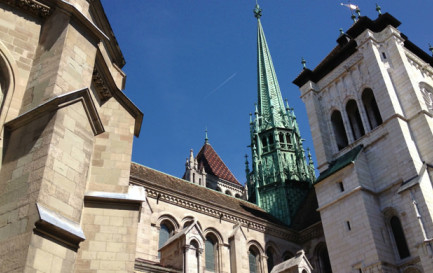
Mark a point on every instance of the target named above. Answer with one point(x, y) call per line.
point(304, 63)
point(378, 9)
point(206, 139)
point(257, 11)
point(430, 47)
point(341, 32)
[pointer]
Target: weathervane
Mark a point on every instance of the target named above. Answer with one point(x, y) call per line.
point(352, 8)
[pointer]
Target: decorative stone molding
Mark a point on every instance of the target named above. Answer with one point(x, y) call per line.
point(59, 228)
point(230, 216)
point(32, 6)
point(101, 86)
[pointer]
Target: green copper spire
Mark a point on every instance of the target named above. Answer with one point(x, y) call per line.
point(281, 176)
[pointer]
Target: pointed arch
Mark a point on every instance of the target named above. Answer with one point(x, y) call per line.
point(254, 254)
point(371, 108)
point(355, 119)
point(213, 240)
point(339, 130)
point(323, 263)
point(8, 73)
point(397, 233)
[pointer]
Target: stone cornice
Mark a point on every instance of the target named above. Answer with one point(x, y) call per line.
point(195, 204)
point(31, 6)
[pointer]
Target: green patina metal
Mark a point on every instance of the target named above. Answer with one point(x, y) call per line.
point(281, 176)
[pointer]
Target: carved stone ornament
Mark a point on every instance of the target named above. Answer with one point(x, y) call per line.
point(31, 6)
point(428, 98)
point(101, 86)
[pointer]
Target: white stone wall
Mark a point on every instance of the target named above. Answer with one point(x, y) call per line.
point(393, 154)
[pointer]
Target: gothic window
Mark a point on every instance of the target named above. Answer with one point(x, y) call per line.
point(371, 108)
point(322, 257)
point(264, 142)
point(194, 263)
point(254, 260)
point(289, 141)
point(271, 258)
point(166, 230)
point(399, 238)
point(210, 253)
point(338, 126)
point(271, 139)
point(355, 119)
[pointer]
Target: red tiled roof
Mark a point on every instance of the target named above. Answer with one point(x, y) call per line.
point(212, 163)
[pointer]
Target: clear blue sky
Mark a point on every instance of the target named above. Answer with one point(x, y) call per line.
point(191, 65)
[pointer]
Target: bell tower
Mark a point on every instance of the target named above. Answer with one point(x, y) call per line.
point(280, 176)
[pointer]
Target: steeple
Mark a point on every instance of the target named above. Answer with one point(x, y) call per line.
point(270, 103)
point(280, 176)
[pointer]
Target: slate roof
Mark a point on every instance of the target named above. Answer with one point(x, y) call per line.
point(340, 163)
point(347, 46)
point(155, 179)
point(213, 164)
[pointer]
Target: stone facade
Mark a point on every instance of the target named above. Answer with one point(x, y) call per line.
point(369, 108)
point(58, 130)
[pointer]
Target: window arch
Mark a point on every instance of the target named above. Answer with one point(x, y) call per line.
point(339, 131)
point(354, 119)
point(195, 252)
point(228, 192)
point(322, 258)
point(166, 230)
point(211, 253)
point(371, 108)
point(399, 238)
point(254, 259)
point(270, 252)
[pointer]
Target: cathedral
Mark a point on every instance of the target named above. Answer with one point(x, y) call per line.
point(71, 199)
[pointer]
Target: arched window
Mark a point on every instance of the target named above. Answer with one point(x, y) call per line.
point(194, 262)
point(338, 126)
point(271, 258)
point(371, 108)
point(211, 250)
point(228, 192)
point(355, 119)
point(254, 260)
point(166, 231)
point(323, 263)
point(399, 238)
point(237, 195)
point(218, 189)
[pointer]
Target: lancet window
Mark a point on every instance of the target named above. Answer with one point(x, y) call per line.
point(370, 106)
point(355, 119)
point(339, 131)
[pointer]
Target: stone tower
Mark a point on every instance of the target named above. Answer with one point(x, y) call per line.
point(280, 176)
point(369, 104)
